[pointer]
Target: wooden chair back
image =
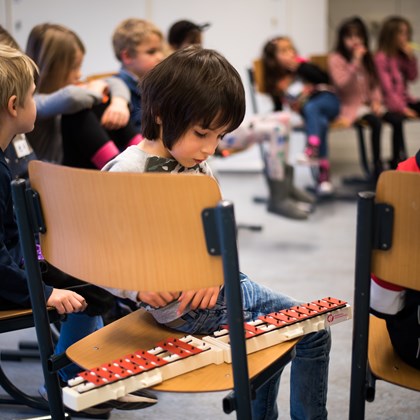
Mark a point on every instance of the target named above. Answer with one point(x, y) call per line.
point(388, 245)
point(130, 247)
point(401, 263)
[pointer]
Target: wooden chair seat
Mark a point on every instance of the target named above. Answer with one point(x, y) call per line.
point(384, 362)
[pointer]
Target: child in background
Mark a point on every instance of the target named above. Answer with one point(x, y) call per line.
point(396, 65)
point(139, 46)
point(184, 33)
point(77, 125)
point(317, 102)
point(353, 74)
point(190, 101)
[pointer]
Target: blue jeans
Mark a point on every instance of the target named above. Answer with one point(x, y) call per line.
point(74, 328)
point(318, 112)
point(309, 373)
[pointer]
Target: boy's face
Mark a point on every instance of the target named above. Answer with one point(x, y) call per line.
point(26, 114)
point(196, 145)
point(148, 54)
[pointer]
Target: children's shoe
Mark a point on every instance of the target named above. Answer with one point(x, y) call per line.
point(325, 186)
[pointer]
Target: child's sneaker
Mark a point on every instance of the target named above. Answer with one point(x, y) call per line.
point(325, 186)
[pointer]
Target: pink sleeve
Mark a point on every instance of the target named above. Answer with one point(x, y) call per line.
point(341, 71)
point(394, 102)
point(409, 68)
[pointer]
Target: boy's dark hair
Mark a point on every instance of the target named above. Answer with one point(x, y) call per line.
point(185, 31)
point(192, 86)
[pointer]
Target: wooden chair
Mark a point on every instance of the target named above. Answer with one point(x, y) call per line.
point(388, 244)
point(117, 230)
point(14, 320)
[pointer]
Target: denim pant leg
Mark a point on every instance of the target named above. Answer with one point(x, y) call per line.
point(309, 377)
point(74, 328)
point(318, 112)
point(257, 300)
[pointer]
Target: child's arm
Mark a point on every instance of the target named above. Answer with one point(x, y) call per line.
point(343, 73)
point(311, 73)
point(395, 103)
point(117, 113)
point(68, 100)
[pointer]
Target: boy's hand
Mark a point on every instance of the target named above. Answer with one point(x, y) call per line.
point(203, 299)
point(66, 301)
point(157, 299)
point(116, 114)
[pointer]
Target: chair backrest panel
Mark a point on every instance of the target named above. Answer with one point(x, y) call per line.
point(109, 228)
point(259, 78)
point(400, 264)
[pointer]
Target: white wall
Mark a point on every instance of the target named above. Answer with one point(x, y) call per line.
point(239, 28)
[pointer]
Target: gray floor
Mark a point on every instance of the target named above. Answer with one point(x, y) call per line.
point(308, 260)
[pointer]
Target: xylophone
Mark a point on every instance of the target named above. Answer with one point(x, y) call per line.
point(176, 356)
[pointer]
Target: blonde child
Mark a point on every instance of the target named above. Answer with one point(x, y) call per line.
point(139, 45)
point(190, 101)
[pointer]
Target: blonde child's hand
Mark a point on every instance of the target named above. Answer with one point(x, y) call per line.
point(116, 114)
point(157, 299)
point(66, 301)
point(203, 299)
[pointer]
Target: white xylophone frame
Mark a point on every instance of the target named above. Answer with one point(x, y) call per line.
point(173, 357)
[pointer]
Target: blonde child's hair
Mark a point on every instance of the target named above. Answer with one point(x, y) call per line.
point(53, 47)
point(131, 33)
point(17, 72)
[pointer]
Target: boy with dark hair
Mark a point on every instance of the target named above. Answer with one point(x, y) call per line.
point(189, 102)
